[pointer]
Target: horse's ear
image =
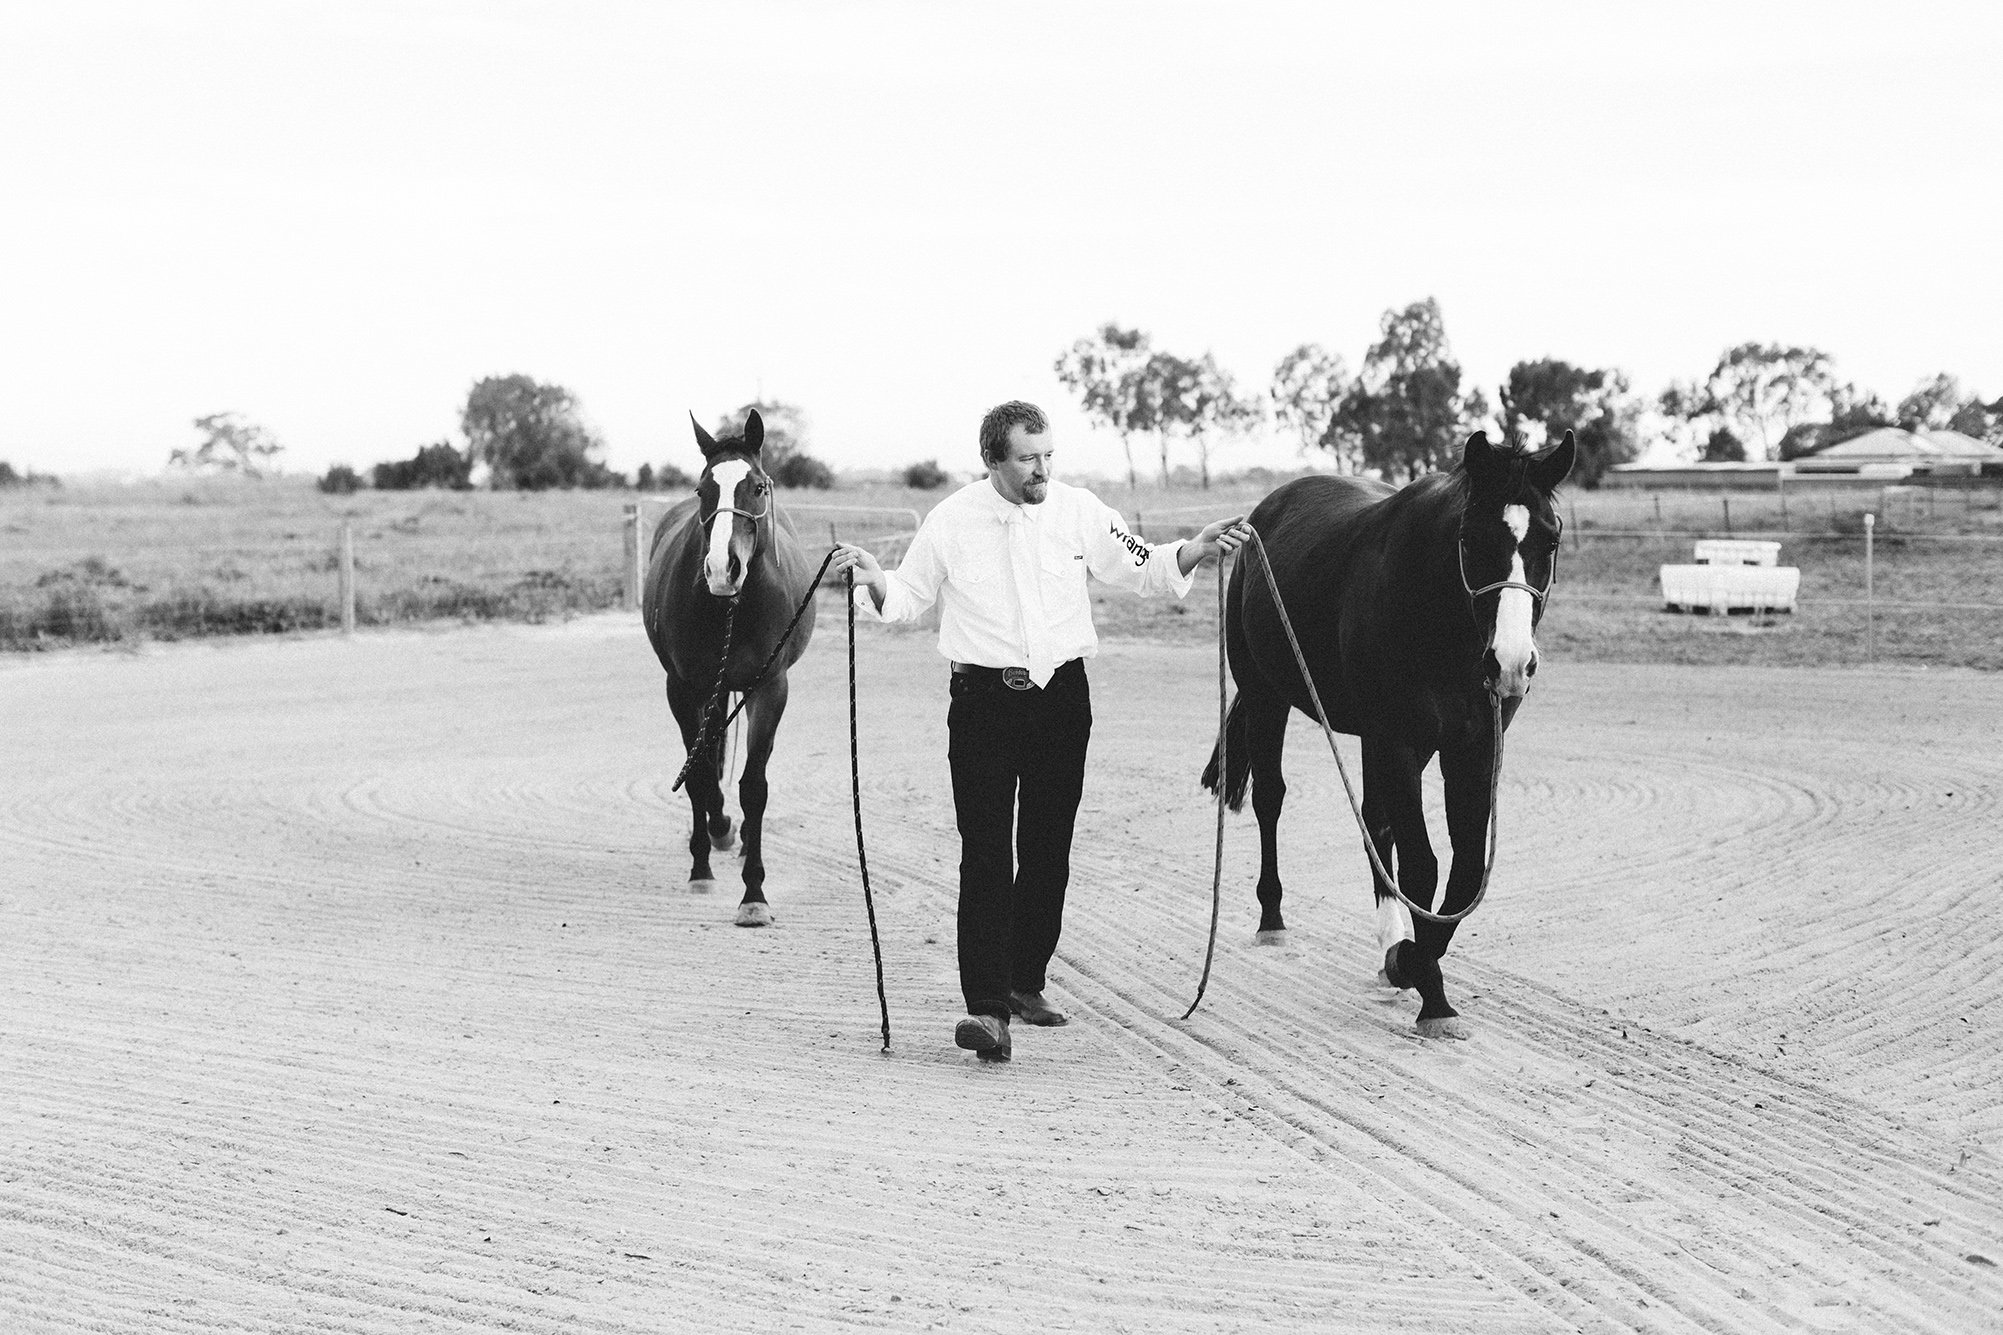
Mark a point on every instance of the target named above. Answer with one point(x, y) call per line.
point(1556, 466)
point(704, 441)
point(1477, 454)
point(754, 431)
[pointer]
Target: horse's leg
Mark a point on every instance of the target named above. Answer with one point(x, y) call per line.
point(1266, 738)
point(1466, 769)
point(1391, 774)
point(705, 796)
point(1394, 921)
point(767, 705)
point(722, 837)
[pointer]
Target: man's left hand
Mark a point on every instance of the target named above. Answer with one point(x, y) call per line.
point(1219, 539)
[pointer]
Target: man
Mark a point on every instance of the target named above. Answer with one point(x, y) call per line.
point(1007, 559)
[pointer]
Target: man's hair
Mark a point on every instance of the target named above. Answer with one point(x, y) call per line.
point(995, 427)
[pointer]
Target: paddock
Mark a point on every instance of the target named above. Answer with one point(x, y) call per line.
point(351, 984)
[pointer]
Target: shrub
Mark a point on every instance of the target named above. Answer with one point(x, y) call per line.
point(665, 478)
point(340, 480)
point(800, 469)
point(926, 476)
point(436, 465)
point(10, 478)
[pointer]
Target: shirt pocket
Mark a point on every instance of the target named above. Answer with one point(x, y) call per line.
point(1063, 572)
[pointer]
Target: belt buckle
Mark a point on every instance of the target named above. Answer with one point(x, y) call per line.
point(1016, 678)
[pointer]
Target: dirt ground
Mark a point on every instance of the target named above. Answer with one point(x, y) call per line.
point(355, 985)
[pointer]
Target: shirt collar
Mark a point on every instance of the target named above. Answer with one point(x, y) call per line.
point(1007, 511)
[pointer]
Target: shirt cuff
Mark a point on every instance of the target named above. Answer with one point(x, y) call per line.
point(864, 604)
point(1179, 584)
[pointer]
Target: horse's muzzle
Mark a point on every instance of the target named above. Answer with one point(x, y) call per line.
point(732, 582)
point(1509, 684)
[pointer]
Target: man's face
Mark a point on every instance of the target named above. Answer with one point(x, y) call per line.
point(1024, 476)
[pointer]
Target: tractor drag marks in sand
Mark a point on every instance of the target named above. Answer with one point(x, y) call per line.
point(353, 986)
point(356, 986)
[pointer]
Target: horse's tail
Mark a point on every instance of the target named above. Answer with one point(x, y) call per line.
point(1237, 756)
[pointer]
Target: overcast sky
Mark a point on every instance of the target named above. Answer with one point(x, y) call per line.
point(335, 217)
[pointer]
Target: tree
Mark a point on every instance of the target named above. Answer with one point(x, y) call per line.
point(1852, 412)
point(340, 480)
point(1761, 390)
point(531, 436)
point(784, 452)
point(1723, 447)
point(665, 478)
point(1105, 372)
point(229, 445)
point(925, 476)
point(1214, 408)
point(1934, 404)
point(1406, 410)
point(434, 465)
point(1594, 405)
point(1308, 388)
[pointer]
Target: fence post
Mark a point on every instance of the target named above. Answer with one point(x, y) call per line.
point(1727, 502)
point(1781, 491)
point(347, 577)
point(632, 580)
point(1870, 604)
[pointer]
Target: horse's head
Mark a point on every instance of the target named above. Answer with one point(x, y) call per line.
point(733, 483)
point(1509, 551)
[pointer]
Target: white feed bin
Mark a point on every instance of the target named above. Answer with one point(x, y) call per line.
point(1737, 552)
point(1725, 588)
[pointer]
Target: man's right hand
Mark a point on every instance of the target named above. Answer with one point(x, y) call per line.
point(868, 573)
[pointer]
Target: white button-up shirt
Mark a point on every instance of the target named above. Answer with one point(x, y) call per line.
point(1011, 579)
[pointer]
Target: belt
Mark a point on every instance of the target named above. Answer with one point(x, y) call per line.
point(1015, 678)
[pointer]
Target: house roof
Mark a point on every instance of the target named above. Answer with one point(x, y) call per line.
point(1891, 444)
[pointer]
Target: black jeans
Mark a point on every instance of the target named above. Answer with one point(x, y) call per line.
point(1018, 760)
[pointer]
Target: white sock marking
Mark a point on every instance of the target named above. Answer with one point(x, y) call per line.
point(1394, 923)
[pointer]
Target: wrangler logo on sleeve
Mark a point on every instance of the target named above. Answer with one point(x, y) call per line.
point(1135, 547)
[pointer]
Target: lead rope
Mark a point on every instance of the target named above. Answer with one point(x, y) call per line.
point(713, 705)
point(1321, 716)
point(1217, 870)
point(744, 696)
point(855, 787)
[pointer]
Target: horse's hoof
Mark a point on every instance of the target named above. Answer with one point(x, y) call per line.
point(756, 913)
point(1446, 1026)
point(702, 886)
point(723, 843)
point(1274, 937)
point(1384, 980)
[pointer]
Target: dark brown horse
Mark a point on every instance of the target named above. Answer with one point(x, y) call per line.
point(1415, 610)
point(727, 554)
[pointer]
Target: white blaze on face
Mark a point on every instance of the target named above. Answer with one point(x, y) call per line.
point(716, 566)
point(1515, 649)
point(1394, 922)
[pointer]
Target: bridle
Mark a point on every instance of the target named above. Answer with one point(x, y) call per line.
point(1460, 551)
point(764, 489)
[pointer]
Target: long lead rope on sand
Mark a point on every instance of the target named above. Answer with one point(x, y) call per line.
point(1217, 870)
point(855, 787)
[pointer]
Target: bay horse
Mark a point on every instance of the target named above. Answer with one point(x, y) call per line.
point(1416, 610)
point(728, 551)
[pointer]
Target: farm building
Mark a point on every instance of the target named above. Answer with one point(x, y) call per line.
point(1917, 453)
point(1888, 454)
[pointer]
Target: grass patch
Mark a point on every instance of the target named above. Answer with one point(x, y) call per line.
point(179, 558)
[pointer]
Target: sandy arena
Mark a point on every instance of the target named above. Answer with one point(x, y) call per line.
point(355, 986)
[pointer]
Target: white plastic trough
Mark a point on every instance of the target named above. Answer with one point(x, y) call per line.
point(1719, 589)
point(1737, 552)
